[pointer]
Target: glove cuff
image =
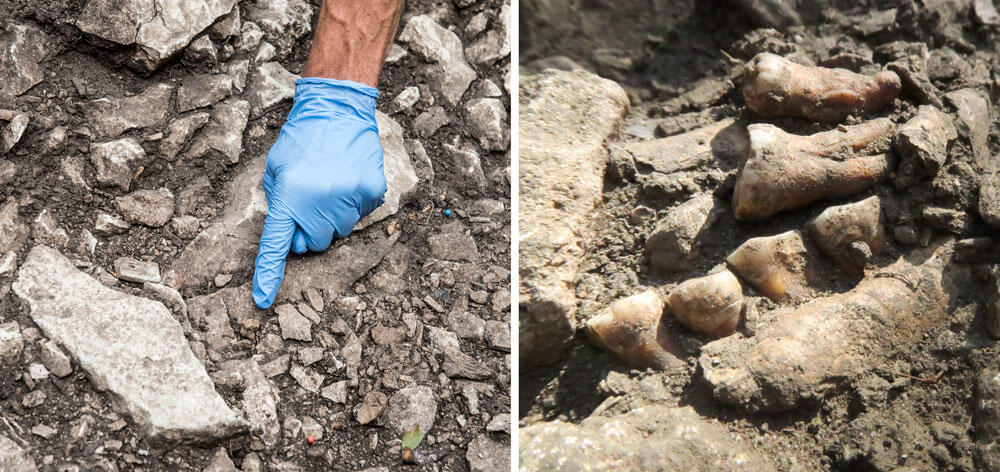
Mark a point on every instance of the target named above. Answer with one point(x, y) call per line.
point(321, 96)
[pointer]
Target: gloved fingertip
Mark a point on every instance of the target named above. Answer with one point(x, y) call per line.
point(269, 268)
point(299, 242)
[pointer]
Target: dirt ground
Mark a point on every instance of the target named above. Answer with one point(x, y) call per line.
point(680, 62)
point(89, 436)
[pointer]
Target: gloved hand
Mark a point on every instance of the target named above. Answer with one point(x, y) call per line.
point(323, 174)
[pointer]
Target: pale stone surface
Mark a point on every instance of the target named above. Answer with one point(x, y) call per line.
point(129, 346)
point(13, 458)
point(135, 270)
point(157, 29)
point(55, 360)
point(486, 455)
point(13, 232)
point(203, 90)
point(270, 85)
point(646, 438)
point(11, 342)
point(411, 407)
point(449, 72)
point(12, 133)
point(488, 119)
point(223, 134)
point(400, 177)
point(562, 161)
point(22, 48)
point(115, 161)
point(148, 207)
point(283, 22)
point(110, 117)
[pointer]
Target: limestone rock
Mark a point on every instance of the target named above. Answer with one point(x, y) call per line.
point(400, 177)
point(283, 22)
point(203, 90)
point(922, 142)
point(371, 407)
point(113, 116)
point(293, 324)
point(411, 407)
point(55, 360)
point(179, 131)
point(646, 438)
point(154, 31)
point(270, 85)
point(22, 48)
point(129, 346)
point(134, 270)
point(486, 455)
point(562, 161)
point(13, 233)
point(488, 120)
point(224, 132)
point(46, 230)
point(495, 44)
point(11, 342)
point(13, 458)
point(449, 72)
point(148, 207)
point(12, 133)
point(115, 160)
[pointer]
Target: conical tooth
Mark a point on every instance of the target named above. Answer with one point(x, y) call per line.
point(709, 305)
point(781, 267)
point(850, 234)
point(632, 328)
point(785, 171)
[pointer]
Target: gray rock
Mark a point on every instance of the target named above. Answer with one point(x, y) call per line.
point(129, 346)
point(400, 176)
point(456, 363)
point(311, 428)
point(13, 233)
point(12, 457)
point(55, 360)
point(283, 22)
point(154, 31)
point(269, 85)
point(46, 230)
point(411, 407)
point(8, 262)
point(212, 252)
point(406, 99)
point(12, 133)
point(201, 51)
point(372, 406)
point(466, 325)
point(449, 72)
point(454, 243)
point(110, 117)
point(185, 226)
point(396, 53)
point(336, 392)
point(114, 161)
point(922, 143)
point(110, 224)
point(677, 238)
point(169, 297)
point(265, 52)
point(336, 270)
point(467, 165)
point(192, 197)
point(992, 318)
point(250, 36)
point(562, 161)
point(11, 343)
point(972, 120)
point(23, 48)
point(307, 378)
point(179, 131)
point(220, 462)
point(224, 132)
point(486, 455)
point(134, 270)
point(986, 418)
point(772, 13)
point(203, 90)
point(293, 324)
point(646, 438)
point(228, 26)
point(239, 70)
point(488, 120)
point(946, 219)
point(260, 403)
point(495, 44)
point(499, 424)
point(498, 335)
point(147, 207)
point(431, 120)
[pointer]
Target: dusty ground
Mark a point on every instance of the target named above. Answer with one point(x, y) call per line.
point(674, 60)
point(89, 434)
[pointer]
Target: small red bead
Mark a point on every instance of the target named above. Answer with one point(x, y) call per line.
point(310, 440)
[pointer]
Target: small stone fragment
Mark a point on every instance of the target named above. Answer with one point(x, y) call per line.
point(270, 85)
point(46, 230)
point(114, 161)
point(111, 117)
point(709, 305)
point(134, 270)
point(371, 407)
point(11, 133)
point(675, 241)
point(488, 120)
point(147, 207)
point(946, 219)
point(110, 224)
point(307, 378)
point(55, 360)
point(293, 324)
point(203, 90)
point(486, 455)
point(11, 343)
point(449, 73)
point(922, 142)
point(336, 392)
point(411, 407)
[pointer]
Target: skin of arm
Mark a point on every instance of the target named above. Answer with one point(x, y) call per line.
point(352, 39)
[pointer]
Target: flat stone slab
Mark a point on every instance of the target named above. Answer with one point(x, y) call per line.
point(22, 47)
point(131, 347)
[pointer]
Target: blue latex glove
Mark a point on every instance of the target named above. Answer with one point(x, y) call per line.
point(323, 174)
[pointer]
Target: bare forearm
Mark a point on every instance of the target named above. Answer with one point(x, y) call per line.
point(353, 39)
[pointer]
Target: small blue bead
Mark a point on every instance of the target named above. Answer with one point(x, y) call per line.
point(447, 213)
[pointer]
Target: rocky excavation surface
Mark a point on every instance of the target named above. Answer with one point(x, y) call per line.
point(132, 143)
point(792, 258)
